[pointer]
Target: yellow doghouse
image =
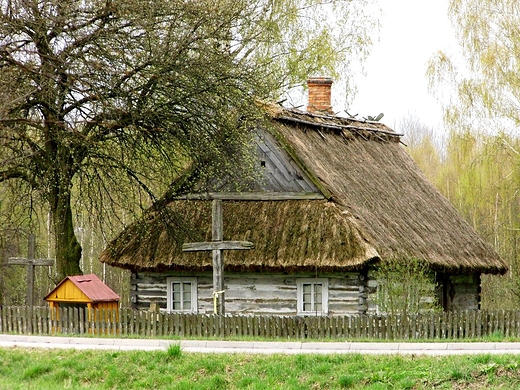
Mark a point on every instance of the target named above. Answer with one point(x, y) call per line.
point(84, 291)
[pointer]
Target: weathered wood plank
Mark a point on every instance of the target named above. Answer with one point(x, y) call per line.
point(455, 325)
point(19, 321)
point(253, 196)
point(217, 245)
point(25, 261)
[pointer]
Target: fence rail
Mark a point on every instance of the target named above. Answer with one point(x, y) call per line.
point(446, 325)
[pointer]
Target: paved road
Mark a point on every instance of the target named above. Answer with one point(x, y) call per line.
point(260, 347)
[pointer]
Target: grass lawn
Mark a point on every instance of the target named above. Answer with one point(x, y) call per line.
point(174, 369)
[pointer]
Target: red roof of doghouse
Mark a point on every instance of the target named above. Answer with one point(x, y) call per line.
point(90, 285)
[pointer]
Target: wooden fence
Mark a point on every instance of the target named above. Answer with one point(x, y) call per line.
point(127, 322)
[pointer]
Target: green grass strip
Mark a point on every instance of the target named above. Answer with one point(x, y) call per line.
point(22, 368)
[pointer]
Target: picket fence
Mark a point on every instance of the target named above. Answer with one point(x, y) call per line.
point(127, 322)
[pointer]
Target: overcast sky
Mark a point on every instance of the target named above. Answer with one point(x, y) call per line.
point(395, 83)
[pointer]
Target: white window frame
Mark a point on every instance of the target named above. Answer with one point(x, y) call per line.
point(169, 290)
point(324, 295)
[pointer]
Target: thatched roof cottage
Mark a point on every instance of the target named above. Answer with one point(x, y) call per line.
point(336, 197)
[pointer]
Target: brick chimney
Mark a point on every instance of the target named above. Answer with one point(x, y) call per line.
point(319, 95)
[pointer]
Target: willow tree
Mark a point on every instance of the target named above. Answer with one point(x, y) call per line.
point(105, 101)
point(484, 81)
point(483, 105)
point(481, 96)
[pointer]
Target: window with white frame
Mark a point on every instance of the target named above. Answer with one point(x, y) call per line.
point(313, 296)
point(182, 294)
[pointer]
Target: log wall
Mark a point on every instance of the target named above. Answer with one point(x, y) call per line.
point(253, 293)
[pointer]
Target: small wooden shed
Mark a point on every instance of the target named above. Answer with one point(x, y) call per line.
point(83, 291)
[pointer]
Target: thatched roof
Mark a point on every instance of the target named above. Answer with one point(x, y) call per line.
point(375, 204)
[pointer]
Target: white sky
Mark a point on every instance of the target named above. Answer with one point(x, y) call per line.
point(395, 83)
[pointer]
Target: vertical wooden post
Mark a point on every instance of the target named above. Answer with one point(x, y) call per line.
point(217, 247)
point(30, 277)
point(218, 256)
point(30, 262)
point(30, 271)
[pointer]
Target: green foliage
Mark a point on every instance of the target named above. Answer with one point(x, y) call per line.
point(481, 176)
point(405, 286)
point(309, 37)
point(479, 173)
point(485, 84)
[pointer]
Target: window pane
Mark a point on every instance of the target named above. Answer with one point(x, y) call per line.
point(307, 297)
point(181, 297)
point(176, 296)
point(312, 294)
point(186, 295)
point(318, 296)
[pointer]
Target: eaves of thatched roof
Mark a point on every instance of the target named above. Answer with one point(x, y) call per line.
point(373, 204)
point(287, 235)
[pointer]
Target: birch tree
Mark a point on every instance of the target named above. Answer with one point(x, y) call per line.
point(485, 82)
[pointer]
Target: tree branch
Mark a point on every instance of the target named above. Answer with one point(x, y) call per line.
point(10, 174)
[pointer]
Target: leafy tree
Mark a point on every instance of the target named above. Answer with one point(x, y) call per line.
point(405, 286)
point(103, 102)
point(484, 84)
point(482, 106)
point(478, 176)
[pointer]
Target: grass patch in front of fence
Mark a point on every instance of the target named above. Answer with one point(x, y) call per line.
point(173, 369)
point(174, 351)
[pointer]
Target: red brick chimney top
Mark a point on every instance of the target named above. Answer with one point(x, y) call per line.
point(319, 95)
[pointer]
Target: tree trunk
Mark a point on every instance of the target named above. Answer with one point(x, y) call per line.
point(68, 249)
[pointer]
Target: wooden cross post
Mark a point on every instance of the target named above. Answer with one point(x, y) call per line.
point(217, 246)
point(31, 262)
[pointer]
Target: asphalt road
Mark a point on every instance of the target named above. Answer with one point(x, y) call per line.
point(260, 347)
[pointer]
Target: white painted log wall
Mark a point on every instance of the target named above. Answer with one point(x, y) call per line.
point(253, 293)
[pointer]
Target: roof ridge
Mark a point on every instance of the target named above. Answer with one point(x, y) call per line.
point(334, 122)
